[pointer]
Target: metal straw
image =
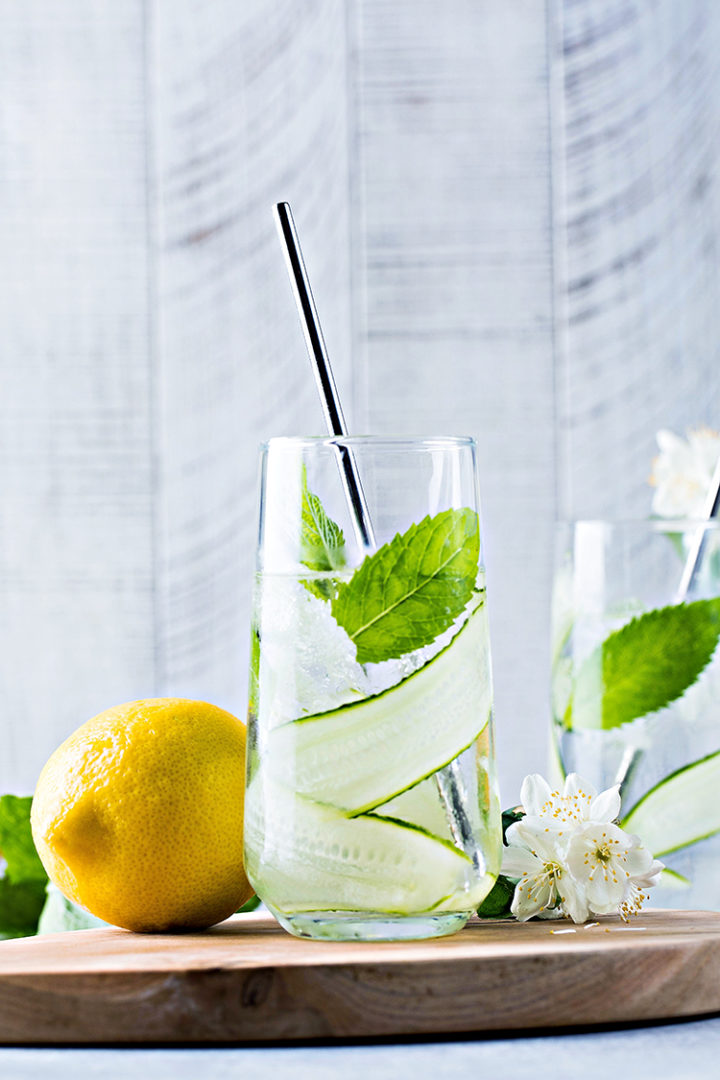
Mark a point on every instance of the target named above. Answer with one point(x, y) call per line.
point(449, 779)
point(632, 755)
point(692, 564)
point(323, 372)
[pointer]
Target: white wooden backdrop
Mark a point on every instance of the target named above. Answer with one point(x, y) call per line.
point(509, 209)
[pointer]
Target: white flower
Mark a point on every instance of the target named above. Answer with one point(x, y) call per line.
point(634, 895)
point(569, 857)
point(612, 866)
point(545, 886)
point(578, 802)
point(683, 471)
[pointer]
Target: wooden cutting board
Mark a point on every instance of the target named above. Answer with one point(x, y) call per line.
point(247, 980)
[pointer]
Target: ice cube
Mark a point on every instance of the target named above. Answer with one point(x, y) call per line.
point(307, 661)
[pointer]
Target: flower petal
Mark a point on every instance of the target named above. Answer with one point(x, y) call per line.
point(534, 793)
point(551, 913)
point(669, 442)
point(572, 896)
point(638, 860)
point(517, 861)
point(610, 908)
point(576, 786)
point(604, 891)
point(647, 880)
point(539, 838)
point(532, 896)
point(605, 807)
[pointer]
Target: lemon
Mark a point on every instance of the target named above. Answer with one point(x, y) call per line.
point(138, 816)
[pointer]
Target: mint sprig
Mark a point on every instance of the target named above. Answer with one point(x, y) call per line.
point(645, 665)
point(60, 914)
point(322, 543)
point(413, 588)
point(498, 901)
point(23, 882)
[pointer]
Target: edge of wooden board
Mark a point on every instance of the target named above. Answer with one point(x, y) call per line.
point(247, 981)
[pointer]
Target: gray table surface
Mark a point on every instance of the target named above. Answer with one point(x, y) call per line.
point(684, 1050)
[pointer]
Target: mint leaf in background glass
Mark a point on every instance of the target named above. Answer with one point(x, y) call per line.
point(644, 665)
point(322, 543)
point(406, 594)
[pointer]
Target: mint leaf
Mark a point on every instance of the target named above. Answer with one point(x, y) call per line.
point(20, 905)
point(322, 543)
point(23, 882)
point(249, 905)
point(16, 842)
point(644, 665)
point(406, 594)
point(496, 904)
point(509, 817)
point(60, 914)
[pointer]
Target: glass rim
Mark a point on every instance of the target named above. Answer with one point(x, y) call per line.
point(391, 442)
point(655, 524)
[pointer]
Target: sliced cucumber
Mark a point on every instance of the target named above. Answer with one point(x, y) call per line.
point(361, 755)
point(680, 810)
point(302, 856)
point(670, 879)
point(420, 805)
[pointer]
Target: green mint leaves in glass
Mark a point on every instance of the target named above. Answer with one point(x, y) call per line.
point(636, 687)
point(371, 805)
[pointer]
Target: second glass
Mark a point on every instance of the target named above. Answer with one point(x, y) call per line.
point(371, 805)
point(636, 686)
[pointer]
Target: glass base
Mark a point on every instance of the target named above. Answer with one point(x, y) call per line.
point(366, 926)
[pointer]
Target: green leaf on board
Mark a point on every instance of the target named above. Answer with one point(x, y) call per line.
point(60, 914)
point(250, 905)
point(496, 904)
point(23, 879)
point(509, 817)
point(322, 543)
point(413, 588)
point(645, 665)
point(680, 810)
point(16, 842)
point(20, 905)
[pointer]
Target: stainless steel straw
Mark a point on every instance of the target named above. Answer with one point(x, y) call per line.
point(323, 372)
point(449, 780)
point(692, 564)
point(633, 754)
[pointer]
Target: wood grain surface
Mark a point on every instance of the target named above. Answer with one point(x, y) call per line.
point(246, 981)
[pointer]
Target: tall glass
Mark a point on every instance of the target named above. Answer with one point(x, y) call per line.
point(636, 687)
point(371, 806)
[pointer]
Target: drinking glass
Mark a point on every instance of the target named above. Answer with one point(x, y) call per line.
point(371, 805)
point(636, 687)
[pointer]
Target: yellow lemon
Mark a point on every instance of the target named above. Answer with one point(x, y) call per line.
point(138, 816)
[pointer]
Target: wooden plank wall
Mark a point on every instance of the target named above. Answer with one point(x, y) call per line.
point(149, 336)
point(149, 340)
point(456, 334)
point(76, 484)
point(637, 211)
point(248, 108)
